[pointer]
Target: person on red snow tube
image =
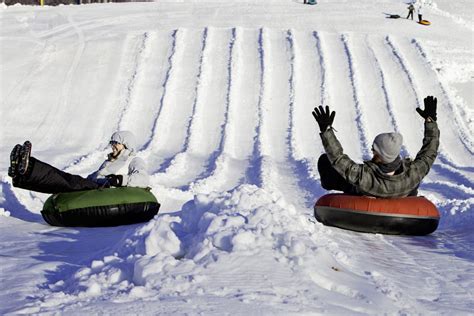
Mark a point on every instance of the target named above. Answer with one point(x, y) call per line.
point(121, 168)
point(386, 175)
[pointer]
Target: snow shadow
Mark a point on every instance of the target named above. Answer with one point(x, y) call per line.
point(16, 208)
point(455, 242)
point(456, 174)
point(458, 241)
point(76, 248)
point(448, 192)
point(312, 186)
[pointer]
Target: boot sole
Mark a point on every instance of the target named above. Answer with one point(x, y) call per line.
point(14, 160)
point(25, 158)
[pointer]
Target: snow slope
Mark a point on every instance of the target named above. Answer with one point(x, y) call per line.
point(219, 95)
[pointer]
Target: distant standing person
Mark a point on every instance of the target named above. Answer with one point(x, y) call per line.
point(411, 9)
point(420, 12)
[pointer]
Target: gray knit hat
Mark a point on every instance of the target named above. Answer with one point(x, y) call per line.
point(388, 146)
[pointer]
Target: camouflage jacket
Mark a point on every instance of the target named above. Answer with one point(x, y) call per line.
point(367, 177)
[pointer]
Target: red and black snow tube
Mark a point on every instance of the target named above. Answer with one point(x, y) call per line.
point(401, 216)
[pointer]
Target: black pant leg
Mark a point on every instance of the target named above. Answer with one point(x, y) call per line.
point(331, 179)
point(45, 178)
point(414, 192)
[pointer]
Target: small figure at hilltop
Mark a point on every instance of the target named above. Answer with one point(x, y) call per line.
point(386, 175)
point(121, 168)
point(420, 12)
point(411, 9)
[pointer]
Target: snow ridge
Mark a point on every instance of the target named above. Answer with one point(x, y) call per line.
point(303, 166)
point(323, 69)
point(131, 86)
point(253, 173)
point(187, 124)
point(464, 130)
point(403, 66)
point(218, 155)
point(388, 102)
point(225, 125)
point(164, 87)
point(354, 82)
point(237, 142)
point(196, 90)
point(417, 84)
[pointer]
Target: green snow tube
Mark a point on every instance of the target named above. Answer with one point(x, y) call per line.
point(104, 207)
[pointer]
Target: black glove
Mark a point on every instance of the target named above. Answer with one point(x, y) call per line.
point(114, 180)
point(430, 108)
point(324, 118)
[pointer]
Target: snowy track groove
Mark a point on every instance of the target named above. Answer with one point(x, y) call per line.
point(237, 143)
point(147, 90)
point(340, 93)
point(175, 115)
point(368, 84)
point(205, 132)
point(426, 83)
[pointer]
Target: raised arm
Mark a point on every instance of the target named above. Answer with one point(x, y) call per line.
point(346, 167)
point(429, 150)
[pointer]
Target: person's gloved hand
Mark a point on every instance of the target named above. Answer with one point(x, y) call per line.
point(430, 108)
point(323, 118)
point(114, 180)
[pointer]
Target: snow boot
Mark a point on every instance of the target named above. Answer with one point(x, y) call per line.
point(24, 158)
point(14, 160)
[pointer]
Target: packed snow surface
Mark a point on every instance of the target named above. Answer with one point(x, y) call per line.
point(219, 95)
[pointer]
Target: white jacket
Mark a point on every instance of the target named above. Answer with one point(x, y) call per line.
point(133, 170)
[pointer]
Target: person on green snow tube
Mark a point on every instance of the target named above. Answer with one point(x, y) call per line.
point(121, 168)
point(386, 175)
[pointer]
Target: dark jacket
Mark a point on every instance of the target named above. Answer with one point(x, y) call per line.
point(367, 177)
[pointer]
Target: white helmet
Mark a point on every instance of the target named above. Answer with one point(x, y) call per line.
point(125, 138)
